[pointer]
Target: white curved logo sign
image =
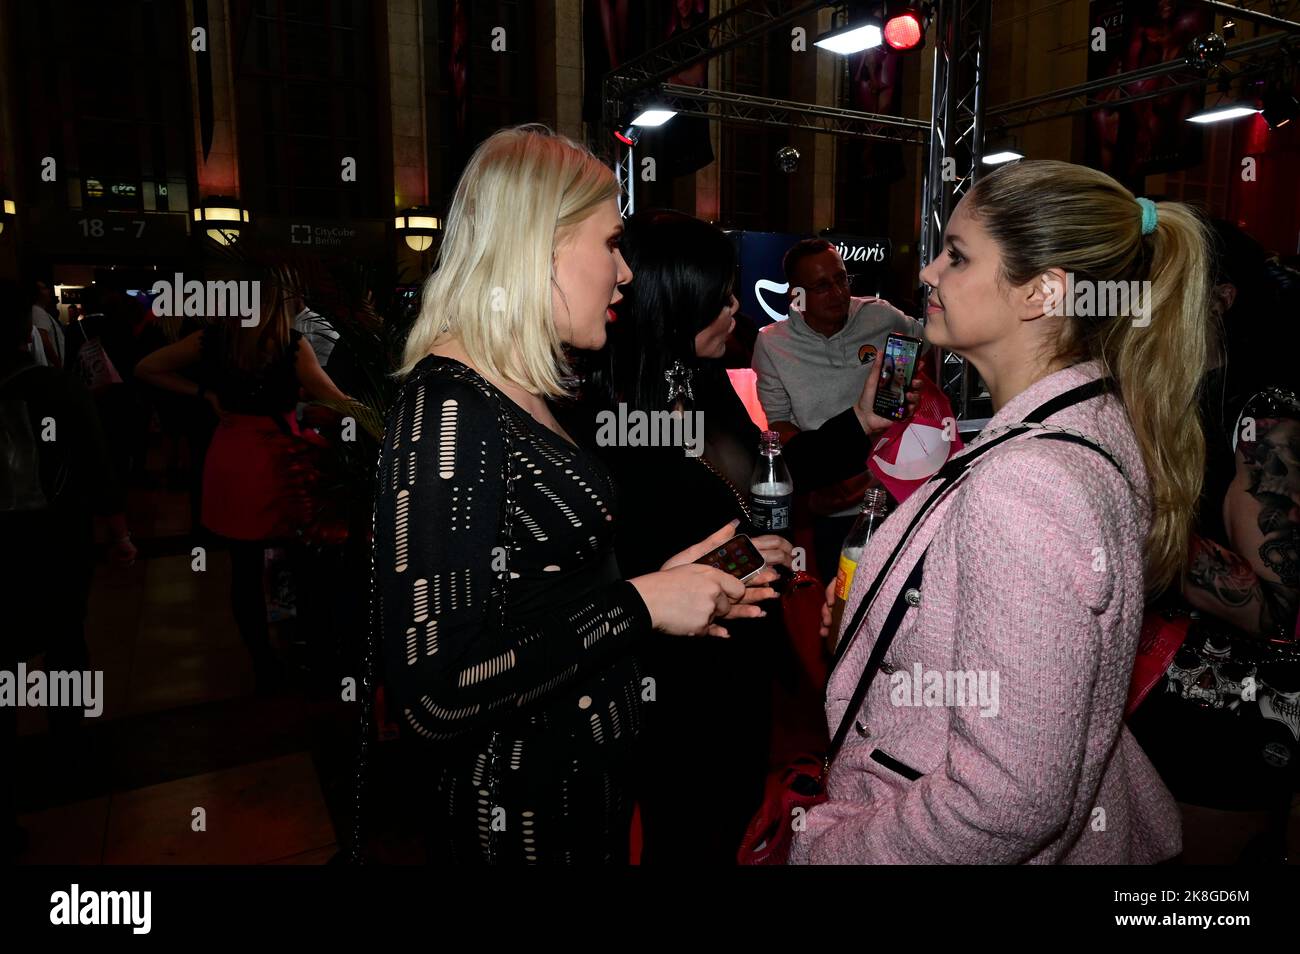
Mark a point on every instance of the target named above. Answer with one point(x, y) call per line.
point(764, 284)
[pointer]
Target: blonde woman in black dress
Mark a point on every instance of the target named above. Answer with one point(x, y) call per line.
point(508, 631)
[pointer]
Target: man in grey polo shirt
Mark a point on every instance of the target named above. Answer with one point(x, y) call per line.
point(808, 370)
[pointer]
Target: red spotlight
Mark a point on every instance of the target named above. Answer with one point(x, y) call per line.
point(905, 31)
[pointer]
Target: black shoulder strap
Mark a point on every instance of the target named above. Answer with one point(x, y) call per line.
point(948, 476)
point(1076, 395)
point(878, 651)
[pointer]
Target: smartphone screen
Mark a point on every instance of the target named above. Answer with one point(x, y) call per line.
point(896, 371)
point(738, 556)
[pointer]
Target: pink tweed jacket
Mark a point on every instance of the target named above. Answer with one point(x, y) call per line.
point(994, 732)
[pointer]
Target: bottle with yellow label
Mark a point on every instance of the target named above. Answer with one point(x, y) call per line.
point(875, 507)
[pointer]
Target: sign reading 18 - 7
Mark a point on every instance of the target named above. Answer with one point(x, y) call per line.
point(92, 230)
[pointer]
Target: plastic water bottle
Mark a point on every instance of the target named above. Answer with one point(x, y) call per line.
point(771, 491)
point(875, 507)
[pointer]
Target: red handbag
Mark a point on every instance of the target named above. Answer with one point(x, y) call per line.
point(1160, 641)
point(790, 794)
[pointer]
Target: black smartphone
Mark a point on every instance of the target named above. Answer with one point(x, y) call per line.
point(897, 369)
point(738, 556)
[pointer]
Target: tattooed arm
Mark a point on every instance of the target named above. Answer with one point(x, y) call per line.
point(1254, 585)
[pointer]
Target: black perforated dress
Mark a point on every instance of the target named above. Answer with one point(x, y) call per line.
point(529, 715)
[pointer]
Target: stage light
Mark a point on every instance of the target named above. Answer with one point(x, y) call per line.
point(653, 116)
point(1000, 147)
point(905, 26)
point(854, 38)
point(644, 116)
point(1222, 113)
point(1280, 107)
point(1000, 157)
point(10, 210)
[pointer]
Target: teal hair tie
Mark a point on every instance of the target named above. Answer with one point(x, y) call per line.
point(1148, 216)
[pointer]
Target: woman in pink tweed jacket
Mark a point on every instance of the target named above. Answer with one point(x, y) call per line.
point(1033, 585)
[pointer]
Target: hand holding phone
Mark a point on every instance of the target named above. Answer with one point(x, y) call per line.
point(738, 557)
point(897, 369)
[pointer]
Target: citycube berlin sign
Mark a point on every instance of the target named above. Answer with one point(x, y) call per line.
point(352, 237)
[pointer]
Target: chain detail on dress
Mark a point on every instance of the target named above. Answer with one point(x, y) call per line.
point(740, 498)
point(501, 588)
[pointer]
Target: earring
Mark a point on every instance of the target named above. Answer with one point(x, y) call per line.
point(679, 378)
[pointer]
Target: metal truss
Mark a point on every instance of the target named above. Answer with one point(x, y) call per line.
point(740, 24)
point(763, 111)
point(956, 130)
point(1251, 58)
point(961, 62)
point(639, 76)
point(1231, 11)
point(625, 173)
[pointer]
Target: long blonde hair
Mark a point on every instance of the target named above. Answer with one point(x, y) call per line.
point(1045, 214)
point(523, 190)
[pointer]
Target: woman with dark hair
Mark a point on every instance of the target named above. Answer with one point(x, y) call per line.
point(250, 376)
point(1219, 725)
point(708, 729)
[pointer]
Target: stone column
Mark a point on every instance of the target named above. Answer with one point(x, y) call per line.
point(218, 173)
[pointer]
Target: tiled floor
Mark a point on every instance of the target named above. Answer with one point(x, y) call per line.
point(181, 728)
point(262, 812)
point(246, 815)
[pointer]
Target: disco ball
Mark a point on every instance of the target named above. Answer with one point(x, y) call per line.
point(1205, 52)
point(787, 159)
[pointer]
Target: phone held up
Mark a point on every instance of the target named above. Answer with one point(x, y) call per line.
point(897, 369)
point(738, 556)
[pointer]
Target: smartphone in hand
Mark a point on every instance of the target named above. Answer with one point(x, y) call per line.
point(896, 372)
point(738, 556)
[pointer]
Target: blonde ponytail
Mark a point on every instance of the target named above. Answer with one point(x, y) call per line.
point(1088, 225)
point(1159, 368)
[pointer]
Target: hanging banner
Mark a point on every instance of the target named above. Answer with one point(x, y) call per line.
point(1151, 136)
